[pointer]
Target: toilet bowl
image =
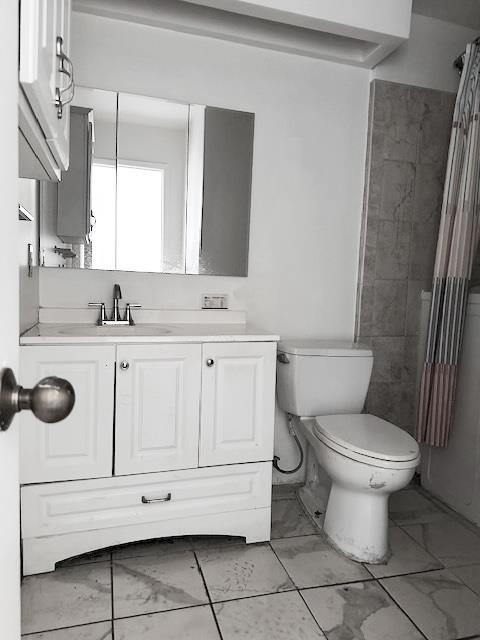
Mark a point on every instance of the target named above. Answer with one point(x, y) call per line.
point(354, 460)
point(364, 468)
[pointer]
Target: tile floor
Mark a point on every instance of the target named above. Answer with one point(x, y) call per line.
point(294, 588)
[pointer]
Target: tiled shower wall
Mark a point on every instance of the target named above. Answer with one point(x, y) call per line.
point(409, 132)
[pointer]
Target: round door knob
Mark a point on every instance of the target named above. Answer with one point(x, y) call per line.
point(210, 362)
point(124, 365)
point(50, 400)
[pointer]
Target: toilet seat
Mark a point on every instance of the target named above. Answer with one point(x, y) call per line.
point(368, 439)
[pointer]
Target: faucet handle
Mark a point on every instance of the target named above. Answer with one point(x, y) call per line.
point(103, 314)
point(128, 315)
point(117, 292)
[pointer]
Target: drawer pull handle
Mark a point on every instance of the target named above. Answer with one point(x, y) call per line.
point(210, 362)
point(167, 498)
point(124, 365)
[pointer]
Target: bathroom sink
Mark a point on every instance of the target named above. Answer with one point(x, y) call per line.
point(111, 330)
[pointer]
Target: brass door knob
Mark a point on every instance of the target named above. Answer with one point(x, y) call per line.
point(51, 400)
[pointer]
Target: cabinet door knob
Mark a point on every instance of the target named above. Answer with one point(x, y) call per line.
point(210, 362)
point(50, 400)
point(124, 365)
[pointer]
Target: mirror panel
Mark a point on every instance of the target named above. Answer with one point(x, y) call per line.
point(153, 186)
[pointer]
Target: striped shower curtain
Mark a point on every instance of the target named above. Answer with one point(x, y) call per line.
point(457, 244)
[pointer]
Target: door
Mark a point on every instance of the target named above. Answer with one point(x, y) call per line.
point(9, 486)
point(81, 446)
point(157, 407)
point(238, 402)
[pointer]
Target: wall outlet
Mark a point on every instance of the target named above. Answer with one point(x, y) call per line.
point(215, 301)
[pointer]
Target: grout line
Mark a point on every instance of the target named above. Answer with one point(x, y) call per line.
point(404, 575)
point(155, 613)
point(73, 626)
point(401, 609)
point(112, 600)
point(208, 595)
point(312, 614)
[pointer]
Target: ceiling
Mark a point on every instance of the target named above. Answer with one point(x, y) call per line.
point(360, 34)
point(462, 12)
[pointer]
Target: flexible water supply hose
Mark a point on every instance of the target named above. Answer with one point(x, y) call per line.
point(291, 430)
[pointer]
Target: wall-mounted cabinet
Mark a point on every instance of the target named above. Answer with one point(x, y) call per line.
point(74, 216)
point(156, 410)
point(46, 88)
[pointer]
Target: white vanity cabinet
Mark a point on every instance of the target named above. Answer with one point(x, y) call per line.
point(81, 445)
point(46, 86)
point(157, 407)
point(164, 439)
point(238, 402)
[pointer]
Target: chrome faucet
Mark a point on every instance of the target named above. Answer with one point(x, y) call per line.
point(117, 295)
point(116, 318)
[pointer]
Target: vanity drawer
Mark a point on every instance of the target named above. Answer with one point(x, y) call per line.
point(87, 505)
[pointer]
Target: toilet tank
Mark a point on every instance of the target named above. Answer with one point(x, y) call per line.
point(318, 377)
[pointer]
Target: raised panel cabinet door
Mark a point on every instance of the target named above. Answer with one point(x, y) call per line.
point(238, 403)
point(41, 23)
point(157, 407)
point(81, 446)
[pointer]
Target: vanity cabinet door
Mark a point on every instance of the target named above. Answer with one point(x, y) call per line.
point(80, 446)
point(157, 407)
point(238, 403)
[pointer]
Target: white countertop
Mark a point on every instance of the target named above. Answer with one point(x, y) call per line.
point(82, 333)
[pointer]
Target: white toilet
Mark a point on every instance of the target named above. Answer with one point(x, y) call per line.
point(354, 460)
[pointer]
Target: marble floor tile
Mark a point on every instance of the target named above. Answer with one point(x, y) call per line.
point(407, 557)
point(284, 491)
point(289, 519)
point(242, 571)
point(66, 597)
point(362, 611)
point(470, 576)
point(311, 562)
point(152, 547)
point(212, 542)
point(281, 616)
point(410, 507)
point(196, 623)
point(95, 631)
point(440, 605)
point(448, 541)
point(149, 584)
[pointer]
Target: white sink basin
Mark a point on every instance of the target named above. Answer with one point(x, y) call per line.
point(88, 330)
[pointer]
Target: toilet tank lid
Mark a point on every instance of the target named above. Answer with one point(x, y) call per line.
point(329, 348)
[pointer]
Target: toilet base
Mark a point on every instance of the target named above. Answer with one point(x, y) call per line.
point(366, 516)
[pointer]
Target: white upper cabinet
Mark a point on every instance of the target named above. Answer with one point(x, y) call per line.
point(157, 409)
point(238, 403)
point(81, 445)
point(46, 82)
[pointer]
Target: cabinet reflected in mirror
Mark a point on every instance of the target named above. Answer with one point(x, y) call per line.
point(153, 185)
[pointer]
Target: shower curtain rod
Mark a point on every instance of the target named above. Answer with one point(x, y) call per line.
point(458, 62)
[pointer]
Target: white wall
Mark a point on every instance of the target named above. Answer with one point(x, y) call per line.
point(310, 136)
point(426, 60)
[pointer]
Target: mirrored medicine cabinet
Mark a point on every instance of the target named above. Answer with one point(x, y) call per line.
point(153, 185)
